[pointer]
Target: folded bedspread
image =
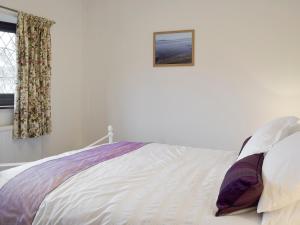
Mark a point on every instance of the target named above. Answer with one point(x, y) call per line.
point(113, 184)
point(20, 197)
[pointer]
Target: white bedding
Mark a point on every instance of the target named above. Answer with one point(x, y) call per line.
point(157, 184)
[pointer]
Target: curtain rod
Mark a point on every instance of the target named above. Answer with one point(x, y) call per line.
point(10, 9)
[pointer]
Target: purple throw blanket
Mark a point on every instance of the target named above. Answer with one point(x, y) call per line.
point(20, 197)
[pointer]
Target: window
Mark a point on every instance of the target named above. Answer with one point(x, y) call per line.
point(8, 64)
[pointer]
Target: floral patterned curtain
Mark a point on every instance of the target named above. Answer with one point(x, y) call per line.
point(32, 116)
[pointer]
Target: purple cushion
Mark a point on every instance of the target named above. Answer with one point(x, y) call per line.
point(242, 185)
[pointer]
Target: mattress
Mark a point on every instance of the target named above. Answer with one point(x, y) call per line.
point(157, 184)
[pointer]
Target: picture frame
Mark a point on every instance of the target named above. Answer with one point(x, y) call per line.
point(174, 48)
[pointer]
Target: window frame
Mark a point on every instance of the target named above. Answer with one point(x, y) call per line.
point(7, 100)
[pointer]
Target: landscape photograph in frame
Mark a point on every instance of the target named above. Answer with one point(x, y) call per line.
point(173, 48)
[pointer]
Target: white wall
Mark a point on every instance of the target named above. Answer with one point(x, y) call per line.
point(18, 150)
point(94, 79)
point(247, 69)
point(67, 45)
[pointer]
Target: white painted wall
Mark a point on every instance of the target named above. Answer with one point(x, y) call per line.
point(6, 117)
point(67, 44)
point(247, 70)
point(18, 150)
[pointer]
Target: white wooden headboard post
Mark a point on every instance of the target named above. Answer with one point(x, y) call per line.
point(110, 134)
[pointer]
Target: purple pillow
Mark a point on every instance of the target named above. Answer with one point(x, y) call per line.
point(242, 185)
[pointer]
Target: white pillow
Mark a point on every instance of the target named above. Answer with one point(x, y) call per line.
point(268, 135)
point(280, 173)
point(296, 128)
point(288, 215)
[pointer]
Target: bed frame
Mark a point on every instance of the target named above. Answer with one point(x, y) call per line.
point(109, 136)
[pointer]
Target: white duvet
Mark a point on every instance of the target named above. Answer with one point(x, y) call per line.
point(155, 185)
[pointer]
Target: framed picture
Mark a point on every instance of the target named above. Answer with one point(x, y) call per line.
point(173, 48)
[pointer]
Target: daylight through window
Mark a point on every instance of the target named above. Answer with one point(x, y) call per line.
point(8, 64)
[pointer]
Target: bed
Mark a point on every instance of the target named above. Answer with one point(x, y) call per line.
point(156, 184)
point(139, 183)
